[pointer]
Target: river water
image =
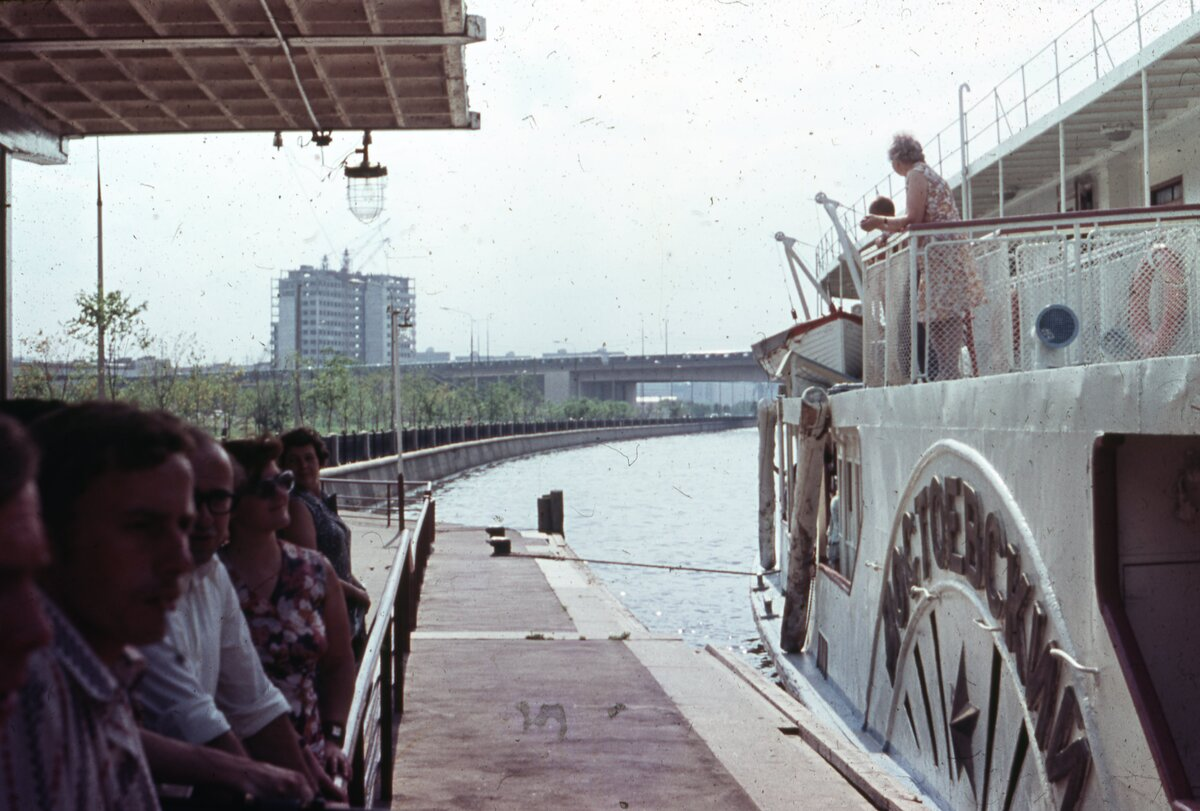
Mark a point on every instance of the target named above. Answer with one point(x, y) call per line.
point(681, 500)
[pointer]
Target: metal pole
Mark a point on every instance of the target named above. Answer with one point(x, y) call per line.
point(99, 281)
point(1024, 95)
point(1000, 168)
point(1145, 137)
point(1062, 167)
point(397, 414)
point(962, 134)
point(6, 331)
point(297, 405)
point(1058, 74)
point(914, 365)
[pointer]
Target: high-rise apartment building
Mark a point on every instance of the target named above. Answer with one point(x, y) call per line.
point(319, 310)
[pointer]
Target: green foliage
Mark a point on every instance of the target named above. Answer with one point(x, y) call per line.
point(333, 395)
point(53, 370)
point(124, 330)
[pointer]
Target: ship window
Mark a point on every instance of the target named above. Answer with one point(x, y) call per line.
point(1167, 194)
point(844, 506)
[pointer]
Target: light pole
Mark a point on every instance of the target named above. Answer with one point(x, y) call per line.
point(471, 356)
point(99, 281)
point(395, 316)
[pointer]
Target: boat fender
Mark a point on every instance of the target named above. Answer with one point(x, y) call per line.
point(768, 419)
point(802, 521)
point(1168, 265)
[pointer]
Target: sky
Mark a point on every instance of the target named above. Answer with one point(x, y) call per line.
point(634, 163)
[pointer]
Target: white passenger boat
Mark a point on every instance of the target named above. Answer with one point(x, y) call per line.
point(1008, 615)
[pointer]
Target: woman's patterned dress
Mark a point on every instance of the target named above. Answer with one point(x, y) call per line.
point(956, 285)
point(288, 631)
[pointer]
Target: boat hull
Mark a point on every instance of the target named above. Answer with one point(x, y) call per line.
point(973, 633)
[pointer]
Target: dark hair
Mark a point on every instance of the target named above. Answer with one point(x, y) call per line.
point(199, 437)
point(250, 458)
point(305, 436)
point(906, 149)
point(26, 410)
point(81, 443)
point(18, 458)
point(882, 207)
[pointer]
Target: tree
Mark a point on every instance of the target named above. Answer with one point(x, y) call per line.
point(267, 402)
point(331, 389)
point(159, 382)
point(52, 369)
point(124, 330)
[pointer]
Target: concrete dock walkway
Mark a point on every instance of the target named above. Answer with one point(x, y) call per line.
point(530, 686)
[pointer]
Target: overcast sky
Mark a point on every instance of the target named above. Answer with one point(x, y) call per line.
point(634, 163)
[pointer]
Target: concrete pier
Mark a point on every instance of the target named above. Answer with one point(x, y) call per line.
point(530, 686)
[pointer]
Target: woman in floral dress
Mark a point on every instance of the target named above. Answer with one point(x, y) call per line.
point(293, 603)
point(950, 274)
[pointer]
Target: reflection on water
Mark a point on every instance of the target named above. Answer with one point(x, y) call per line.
point(682, 500)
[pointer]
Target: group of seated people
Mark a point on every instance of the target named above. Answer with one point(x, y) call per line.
point(178, 614)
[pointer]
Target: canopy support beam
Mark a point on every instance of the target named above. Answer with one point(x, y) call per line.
point(474, 31)
point(6, 328)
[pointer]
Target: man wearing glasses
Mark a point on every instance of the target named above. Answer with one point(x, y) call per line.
point(204, 683)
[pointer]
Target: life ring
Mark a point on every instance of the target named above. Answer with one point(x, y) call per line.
point(1168, 265)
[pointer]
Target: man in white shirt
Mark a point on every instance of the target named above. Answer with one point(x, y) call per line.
point(204, 683)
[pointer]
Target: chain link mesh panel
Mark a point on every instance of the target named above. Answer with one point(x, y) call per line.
point(1135, 290)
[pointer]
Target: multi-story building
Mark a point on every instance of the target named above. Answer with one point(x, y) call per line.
point(316, 310)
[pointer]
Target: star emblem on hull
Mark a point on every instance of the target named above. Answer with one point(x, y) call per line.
point(964, 717)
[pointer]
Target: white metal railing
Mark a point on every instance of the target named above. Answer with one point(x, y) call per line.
point(1106, 36)
point(1131, 279)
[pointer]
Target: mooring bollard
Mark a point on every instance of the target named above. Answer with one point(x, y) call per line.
point(556, 512)
point(501, 544)
point(543, 512)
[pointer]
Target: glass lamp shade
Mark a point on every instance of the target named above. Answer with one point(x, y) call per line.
point(365, 196)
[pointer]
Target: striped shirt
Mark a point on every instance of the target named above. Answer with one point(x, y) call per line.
point(72, 742)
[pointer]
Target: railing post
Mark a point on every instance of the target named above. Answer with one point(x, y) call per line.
point(1024, 95)
point(387, 750)
point(388, 512)
point(399, 502)
point(1058, 74)
point(356, 789)
point(402, 644)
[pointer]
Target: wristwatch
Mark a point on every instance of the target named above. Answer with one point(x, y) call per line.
point(334, 732)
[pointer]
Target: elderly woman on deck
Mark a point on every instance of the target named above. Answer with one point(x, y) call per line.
point(315, 526)
point(293, 603)
point(951, 276)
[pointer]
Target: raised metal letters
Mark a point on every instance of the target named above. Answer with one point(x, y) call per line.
point(958, 534)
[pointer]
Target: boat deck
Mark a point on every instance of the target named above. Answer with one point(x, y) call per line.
point(530, 686)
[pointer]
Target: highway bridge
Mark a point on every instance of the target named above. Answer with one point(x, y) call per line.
point(604, 377)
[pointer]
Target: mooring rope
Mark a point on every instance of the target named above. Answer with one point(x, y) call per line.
point(669, 567)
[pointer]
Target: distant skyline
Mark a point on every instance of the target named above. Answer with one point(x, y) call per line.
point(633, 166)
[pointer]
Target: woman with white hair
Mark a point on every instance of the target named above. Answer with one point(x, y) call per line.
point(951, 276)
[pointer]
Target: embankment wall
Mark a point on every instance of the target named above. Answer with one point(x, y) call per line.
point(450, 460)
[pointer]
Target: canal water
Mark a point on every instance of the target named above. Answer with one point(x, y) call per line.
point(682, 500)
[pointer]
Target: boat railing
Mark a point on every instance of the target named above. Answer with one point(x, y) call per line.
point(994, 296)
point(1110, 34)
point(378, 702)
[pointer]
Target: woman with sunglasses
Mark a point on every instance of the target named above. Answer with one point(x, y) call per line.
point(293, 603)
